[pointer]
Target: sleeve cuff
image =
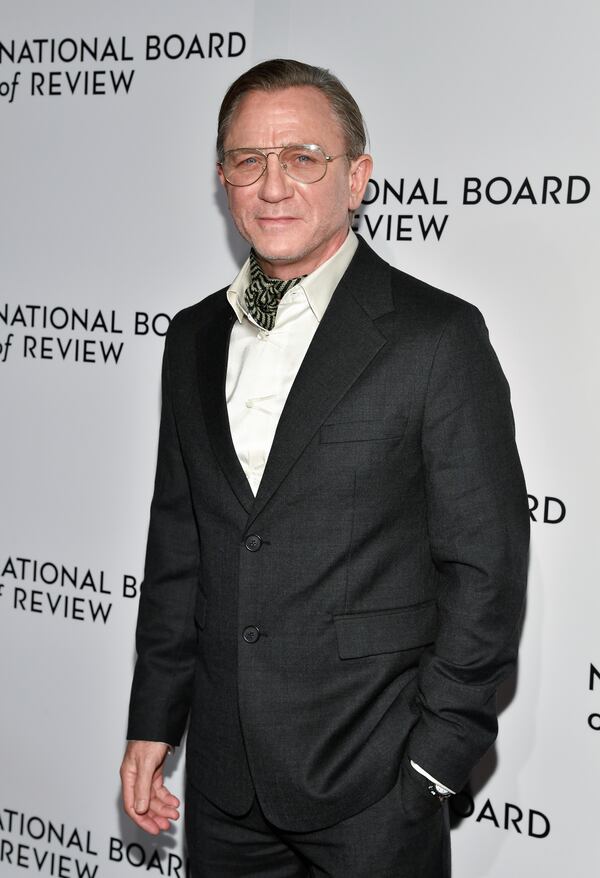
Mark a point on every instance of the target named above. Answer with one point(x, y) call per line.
point(440, 787)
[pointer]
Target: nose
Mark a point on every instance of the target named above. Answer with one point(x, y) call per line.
point(275, 185)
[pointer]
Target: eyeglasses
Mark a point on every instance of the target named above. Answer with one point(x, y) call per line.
point(304, 162)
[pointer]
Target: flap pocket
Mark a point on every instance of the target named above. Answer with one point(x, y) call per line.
point(200, 611)
point(361, 431)
point(362, 634)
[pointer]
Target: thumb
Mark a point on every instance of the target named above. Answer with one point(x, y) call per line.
point(142, 787)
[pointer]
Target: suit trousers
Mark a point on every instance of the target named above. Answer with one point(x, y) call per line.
point(382, 841)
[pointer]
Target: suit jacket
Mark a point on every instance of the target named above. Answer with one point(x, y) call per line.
point(362, 609)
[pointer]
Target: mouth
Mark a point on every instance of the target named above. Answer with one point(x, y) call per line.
point(276, 219)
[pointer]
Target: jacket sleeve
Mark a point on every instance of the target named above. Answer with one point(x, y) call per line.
point(165, 635)
point(478, 522)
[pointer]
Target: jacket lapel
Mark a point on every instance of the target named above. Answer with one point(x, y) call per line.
point(213, 346)
point(344, 344)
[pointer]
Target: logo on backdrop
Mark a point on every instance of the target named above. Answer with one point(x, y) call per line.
point(501, 815)
point(53, 848)
point(138, 855)
point(86, 336)
point(594, 686)
point(428, 200)
point(546, 510)
point(46, 846)
point(62, 591)
point(68, 63)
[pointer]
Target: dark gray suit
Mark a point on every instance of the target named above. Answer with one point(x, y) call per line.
point(363, 608)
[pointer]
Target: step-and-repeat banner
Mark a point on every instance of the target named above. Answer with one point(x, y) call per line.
point(485, 132)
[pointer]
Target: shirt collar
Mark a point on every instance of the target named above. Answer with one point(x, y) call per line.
point(318, 286)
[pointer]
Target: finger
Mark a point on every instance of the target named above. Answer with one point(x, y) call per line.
point(141, 801)
point(156, 818)
point(165, 806)
point(161, 822)
point(147, 823)
point(128, 774)
point(147, 774)
point(162, 793)
point(158, 808)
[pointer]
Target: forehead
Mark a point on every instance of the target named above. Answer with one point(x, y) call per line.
point(291, 115)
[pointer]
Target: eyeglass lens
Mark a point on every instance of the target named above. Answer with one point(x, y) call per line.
point(307, 164)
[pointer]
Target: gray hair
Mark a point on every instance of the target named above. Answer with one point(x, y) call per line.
point(282, 73)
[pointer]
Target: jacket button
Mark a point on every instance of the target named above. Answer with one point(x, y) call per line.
point(251, 634)
point(253, 543)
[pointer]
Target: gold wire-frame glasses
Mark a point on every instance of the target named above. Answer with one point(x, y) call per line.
point(303, 162)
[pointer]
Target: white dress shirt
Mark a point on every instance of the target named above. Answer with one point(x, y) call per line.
point(263, 364)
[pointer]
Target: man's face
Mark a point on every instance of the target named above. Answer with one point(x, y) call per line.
point(293, 226)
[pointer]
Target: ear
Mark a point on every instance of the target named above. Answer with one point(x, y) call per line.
point(361, 169)
point(221, 175)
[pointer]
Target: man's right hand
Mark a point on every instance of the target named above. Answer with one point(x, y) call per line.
point(145, 797)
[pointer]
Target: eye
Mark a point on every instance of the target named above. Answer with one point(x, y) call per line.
point(244, 160)
point(301, 158)
point(247, 161)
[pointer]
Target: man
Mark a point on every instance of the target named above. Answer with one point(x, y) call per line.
point(337, 549)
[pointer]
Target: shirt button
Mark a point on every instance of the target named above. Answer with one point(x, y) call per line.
point(253, 542)
point(251, 634)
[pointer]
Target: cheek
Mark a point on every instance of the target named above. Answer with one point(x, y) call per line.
point(237, 204)
point(333, 204)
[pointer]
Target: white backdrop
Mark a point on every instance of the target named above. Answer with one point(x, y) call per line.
point(110, 215)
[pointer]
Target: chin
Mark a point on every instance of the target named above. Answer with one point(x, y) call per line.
point(271, 252)
point(278, 257)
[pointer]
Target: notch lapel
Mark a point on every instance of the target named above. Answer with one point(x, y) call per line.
point(213, 347)
point(344, 344)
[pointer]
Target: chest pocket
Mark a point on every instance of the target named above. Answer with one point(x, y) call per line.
point(364, 431)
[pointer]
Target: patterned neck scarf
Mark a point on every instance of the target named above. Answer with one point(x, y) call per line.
point(264, 294)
